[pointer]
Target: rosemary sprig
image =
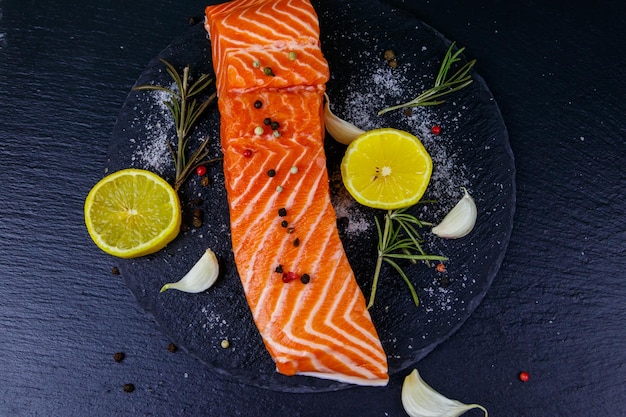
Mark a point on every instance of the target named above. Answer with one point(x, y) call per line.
point(443, 84)
point(186, 110)
point(397, 240)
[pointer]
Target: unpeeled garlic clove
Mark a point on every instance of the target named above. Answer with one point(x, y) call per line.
point(342, 131)
point(460, 220)
point(200, 277)
point(420, 400)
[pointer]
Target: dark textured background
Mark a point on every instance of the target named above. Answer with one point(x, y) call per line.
point(556, 308)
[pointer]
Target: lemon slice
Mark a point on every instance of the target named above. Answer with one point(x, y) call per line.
point(386, 169)
point(132, 213)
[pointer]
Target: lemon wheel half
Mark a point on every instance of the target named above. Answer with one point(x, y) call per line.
point(132, 213)
point(386, 169)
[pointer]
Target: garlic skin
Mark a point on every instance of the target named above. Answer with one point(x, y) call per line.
point(460, 220)
point(342, 131)
point(200, 277)
point(420, 400)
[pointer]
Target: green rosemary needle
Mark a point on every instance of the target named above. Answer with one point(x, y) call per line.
point(443, 84)
point(186, 110)
point(397, 240)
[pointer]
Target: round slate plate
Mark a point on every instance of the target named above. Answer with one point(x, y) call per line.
point(472, 151)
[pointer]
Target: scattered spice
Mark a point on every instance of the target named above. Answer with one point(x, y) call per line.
point(119, 357)
point(172, 348)
point(282, 212)
point(271, 172)
point(276, 134)
point(205, 181)
point(258, 130)
point(279, 189)
point(441, 267)
point(436, 129)
point(305, 278)
point(258, 104)
point(296, 242)
point(129, 387)
point(293, 56)
point(197, 201)
point(256, 63)
point(293, 170)
point(274, 125)
point(289, 276)
point(201, 170)
point(267, 121)
point(115, 270)
point(291, 230)
point(389, 55)
point(196, 222)
point(225, 344)
point(247, 153)
point(284, 223)
point(524, 376)
point(279, 269)
point(268, 71)
point(197, 213)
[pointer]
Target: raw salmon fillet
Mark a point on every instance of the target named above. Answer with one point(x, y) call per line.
point(298, 283)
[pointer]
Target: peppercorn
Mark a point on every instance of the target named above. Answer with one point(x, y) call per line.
point(258, 104)
point(292, 56)
point(289, 276)
point(225, 344)
point(389, 55)
point(441, 267)
point(129, 387)
point(524, 376)
point(282, 212)
point(119, 357)
point(115, 270)
point(271, 173)
point(284, 223)
point(258, 130)
point(279, 269)
point(247, 153)
point(268, 71)
point(267, 121)
point(197, 213)
point(274, 125)
point(279, 189)
point(205, 181)
point(276, 134)
point(201, 170)
point(305, 278)
point(196, 222)
point(436, 129)
point(172, 348)
point(296, 242)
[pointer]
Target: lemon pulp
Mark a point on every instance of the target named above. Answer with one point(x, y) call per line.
point(132, 213)
point(386, 169)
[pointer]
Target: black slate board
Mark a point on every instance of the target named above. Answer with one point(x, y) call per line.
point(472, 151)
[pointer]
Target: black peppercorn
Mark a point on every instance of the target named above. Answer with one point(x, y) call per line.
point(172, 348)
point(274, 125)
point(305, 278)
point(267, 121)
point(296, 242)
point(129, 387)
point(282, 212)
point(271, 173)
point(279, 269)
point(284, 223)
point(258, 104)
point(119, 357)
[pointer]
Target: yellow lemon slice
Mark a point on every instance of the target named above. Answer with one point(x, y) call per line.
point(132, 213)
point(386, 169)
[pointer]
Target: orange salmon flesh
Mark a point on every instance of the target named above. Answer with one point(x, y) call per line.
point(305, 301)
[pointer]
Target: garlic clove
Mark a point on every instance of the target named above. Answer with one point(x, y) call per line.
point(460, 220)
point(342, 131)
point(200, 277)
point(420, 400)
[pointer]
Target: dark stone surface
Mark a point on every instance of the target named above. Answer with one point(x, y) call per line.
point(556, 308)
